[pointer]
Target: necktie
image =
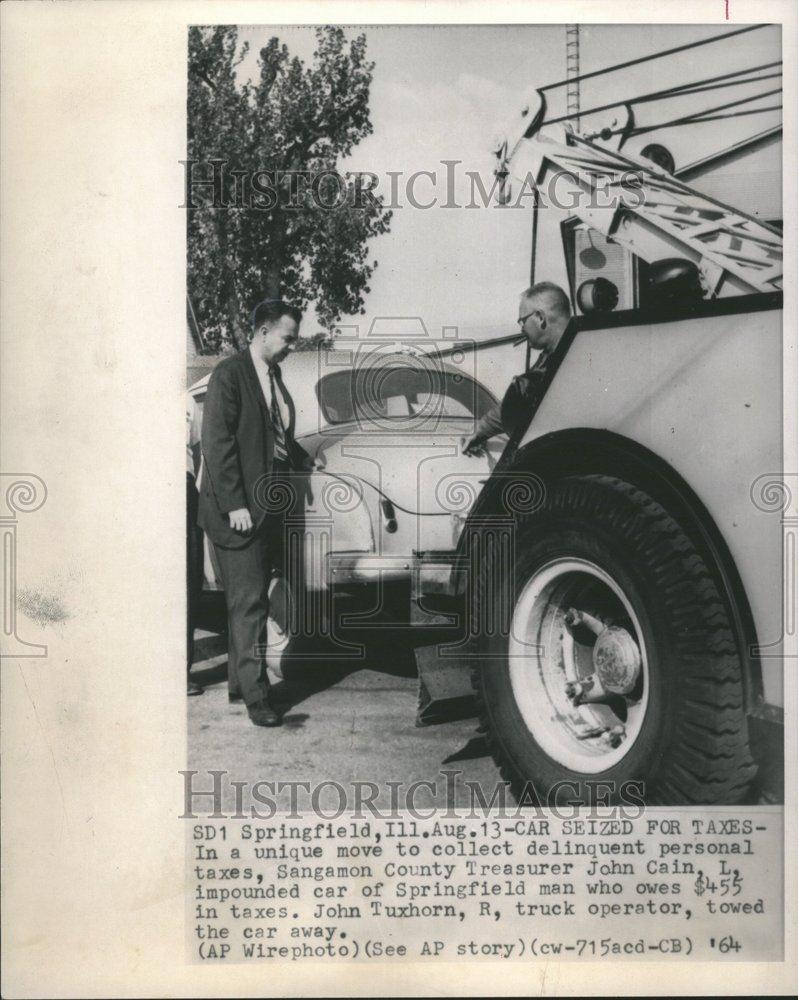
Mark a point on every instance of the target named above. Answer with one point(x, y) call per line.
point(280, 449)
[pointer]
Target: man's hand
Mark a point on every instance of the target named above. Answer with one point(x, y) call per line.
point(241, 520)
point(473, 447)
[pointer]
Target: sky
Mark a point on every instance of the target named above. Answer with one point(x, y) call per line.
point(444, 93)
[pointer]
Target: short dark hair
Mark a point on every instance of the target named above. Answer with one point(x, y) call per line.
point(271, 310)
point(554, 295)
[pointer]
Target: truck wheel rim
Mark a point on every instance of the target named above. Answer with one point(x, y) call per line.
point(548, 658)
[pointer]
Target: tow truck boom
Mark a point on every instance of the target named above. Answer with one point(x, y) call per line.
point(639, 205)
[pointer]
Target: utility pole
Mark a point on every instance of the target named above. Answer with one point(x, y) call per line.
point(572, 71)
point(572, 94)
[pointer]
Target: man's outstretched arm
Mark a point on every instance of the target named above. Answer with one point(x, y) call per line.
point(487, 427)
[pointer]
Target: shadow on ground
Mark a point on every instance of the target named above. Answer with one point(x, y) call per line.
point(347, 719)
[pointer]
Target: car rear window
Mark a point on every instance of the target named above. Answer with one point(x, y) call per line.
point(415, 389)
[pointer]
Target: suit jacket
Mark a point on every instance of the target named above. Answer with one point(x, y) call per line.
point(238, 448)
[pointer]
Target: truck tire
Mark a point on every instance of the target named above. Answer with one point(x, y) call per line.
point(651, 635)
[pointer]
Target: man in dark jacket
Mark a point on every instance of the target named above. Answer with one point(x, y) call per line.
point(247, 446)
point(543, 314)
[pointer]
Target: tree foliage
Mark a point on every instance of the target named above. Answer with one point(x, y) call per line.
point(293, 119)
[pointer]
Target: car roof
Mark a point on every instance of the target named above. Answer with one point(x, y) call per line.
point(302, 372)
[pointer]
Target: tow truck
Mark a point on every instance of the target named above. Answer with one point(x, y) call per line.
point(621, 569)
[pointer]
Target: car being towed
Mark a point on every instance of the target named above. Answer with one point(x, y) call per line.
point(384, 426)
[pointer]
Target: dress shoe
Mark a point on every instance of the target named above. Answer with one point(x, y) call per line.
point(261, 713)
point(194, 689)
point(234, 696)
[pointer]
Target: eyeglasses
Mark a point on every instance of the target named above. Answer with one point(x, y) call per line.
point(522, 319)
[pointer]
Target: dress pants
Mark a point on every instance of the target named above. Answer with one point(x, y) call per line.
point(246, 575)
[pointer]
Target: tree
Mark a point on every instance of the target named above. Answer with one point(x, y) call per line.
point(286, 132)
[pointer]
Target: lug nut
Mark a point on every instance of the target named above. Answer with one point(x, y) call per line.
point(574, 691)
point(615, 736)
point(575, 619)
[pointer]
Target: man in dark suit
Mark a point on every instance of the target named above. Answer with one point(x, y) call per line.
point(247, 445)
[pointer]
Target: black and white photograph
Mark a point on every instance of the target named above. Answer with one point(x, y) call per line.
point(484, 430)
point(464, 664)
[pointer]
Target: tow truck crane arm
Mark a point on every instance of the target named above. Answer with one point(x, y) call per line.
point(635, 202)
point(640, 206)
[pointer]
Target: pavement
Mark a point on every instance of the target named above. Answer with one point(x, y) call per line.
point(344, 722)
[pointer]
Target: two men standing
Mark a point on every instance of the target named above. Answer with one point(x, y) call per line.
point(247, 444)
